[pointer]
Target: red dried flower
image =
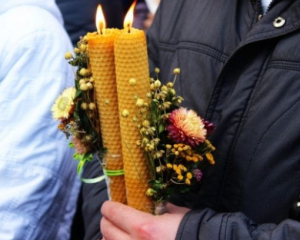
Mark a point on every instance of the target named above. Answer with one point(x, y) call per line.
point(186, 127)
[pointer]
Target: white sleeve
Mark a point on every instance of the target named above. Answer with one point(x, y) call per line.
point(38, 182)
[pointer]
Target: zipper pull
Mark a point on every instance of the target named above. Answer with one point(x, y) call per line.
point(294, 212)
point(259, 17)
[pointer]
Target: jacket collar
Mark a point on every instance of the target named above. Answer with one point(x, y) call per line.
point(265, 28)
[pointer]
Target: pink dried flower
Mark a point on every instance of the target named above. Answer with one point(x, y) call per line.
point(79, 146)
point(210, 127)
point(186, 127)
point(198, 174)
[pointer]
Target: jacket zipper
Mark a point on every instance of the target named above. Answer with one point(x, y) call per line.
point(260, 10)
point(271, 5)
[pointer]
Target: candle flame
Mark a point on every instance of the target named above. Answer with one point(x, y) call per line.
point(129, 17)
point(100, 20)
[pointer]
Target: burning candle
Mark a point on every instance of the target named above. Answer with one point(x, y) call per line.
point(131, 62)
point(101, 53)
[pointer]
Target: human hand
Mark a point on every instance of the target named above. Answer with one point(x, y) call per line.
point(121, 222)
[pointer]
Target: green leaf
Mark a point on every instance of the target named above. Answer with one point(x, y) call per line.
point(78, 93)
point(71, 144)
point(161, 128)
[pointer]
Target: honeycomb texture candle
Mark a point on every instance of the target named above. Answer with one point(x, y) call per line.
point(101, 53)
point(131, 61)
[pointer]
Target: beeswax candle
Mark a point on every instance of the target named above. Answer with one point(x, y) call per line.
point(131, 61)
point(101, 53)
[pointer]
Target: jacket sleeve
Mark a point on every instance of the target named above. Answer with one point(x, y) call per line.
point(206, 224)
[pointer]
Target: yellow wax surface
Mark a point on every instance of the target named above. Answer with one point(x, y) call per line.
point(101, 53)
point(131, 61)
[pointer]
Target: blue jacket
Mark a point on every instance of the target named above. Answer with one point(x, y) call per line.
point(38, 182)
point(240, 70)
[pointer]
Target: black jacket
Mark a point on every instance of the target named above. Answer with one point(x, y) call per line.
point(242, 72)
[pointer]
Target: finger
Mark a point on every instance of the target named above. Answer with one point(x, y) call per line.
point(122, 216)
point(111, 232)
point(171, 208)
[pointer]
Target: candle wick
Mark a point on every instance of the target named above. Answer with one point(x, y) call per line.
point(101, 27)
point(128, 25)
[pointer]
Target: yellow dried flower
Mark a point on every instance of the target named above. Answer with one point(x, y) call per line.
point(166, 105)
point(189, 175)
point(88, 138)
point(170, 84)
point(186, 147)
point(83, 47)
point(83, 71)
point(157, 70)
point(183, 168)
point(145, 140)
point(187, 181)
point(150, 192)
point(125, 113)
point(82, 81)
point(176, 71)
point(63, 104)
point(164, 88)
point(132, 81)
point(85, 38)
point(76, 50)
point(157, 84)
point(68, 56)
point(92, 106)
point(83, 87)
point(169, 165)
point(83, 106)
point(179, 177)
point(150, 147)
point(210, 158)
point(89, 85)
point(178, 171)
point(172, 91)
point(146, 123)
point(139, 102)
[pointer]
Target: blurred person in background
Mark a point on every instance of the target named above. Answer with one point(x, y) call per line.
point(79, 15)
point(38, 181)
point(152, 6)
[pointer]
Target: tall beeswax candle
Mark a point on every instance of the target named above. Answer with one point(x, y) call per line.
point(101, 53)
point(131, 61)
